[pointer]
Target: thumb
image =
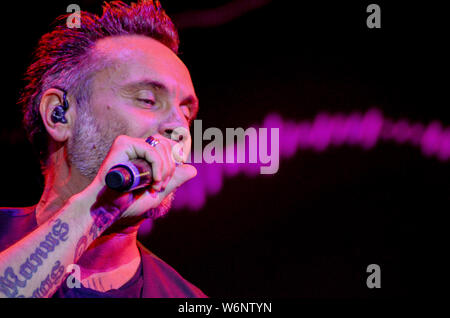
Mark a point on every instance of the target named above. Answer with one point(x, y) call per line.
point(182, 174)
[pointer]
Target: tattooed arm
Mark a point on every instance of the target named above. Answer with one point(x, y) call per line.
point(35, 266)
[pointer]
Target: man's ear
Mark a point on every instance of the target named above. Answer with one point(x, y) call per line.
point(51, 99)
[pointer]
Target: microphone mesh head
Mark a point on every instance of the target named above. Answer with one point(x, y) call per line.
point(115, 179)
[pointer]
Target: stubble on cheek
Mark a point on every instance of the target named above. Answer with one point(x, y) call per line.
point(91, 141)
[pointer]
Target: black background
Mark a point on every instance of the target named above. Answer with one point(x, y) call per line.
point(311, 230)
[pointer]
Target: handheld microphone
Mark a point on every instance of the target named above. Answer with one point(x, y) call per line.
point(129, 176)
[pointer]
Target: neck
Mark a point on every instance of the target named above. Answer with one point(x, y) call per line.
point(110, 261)
point(113, 258)
point(61, 182)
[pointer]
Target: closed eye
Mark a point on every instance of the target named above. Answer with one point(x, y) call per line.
point(146, 101)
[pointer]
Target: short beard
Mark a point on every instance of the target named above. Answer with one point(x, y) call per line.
point(163, 208)
point(91, 142)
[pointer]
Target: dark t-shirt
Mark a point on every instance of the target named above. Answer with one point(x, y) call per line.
point(154, 278)
point(132, 289)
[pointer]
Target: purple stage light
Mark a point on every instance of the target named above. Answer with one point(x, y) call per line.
point(326, 130)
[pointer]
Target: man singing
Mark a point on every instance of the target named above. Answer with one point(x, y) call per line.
point(107, 92)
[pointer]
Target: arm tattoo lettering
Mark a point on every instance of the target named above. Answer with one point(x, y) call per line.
point(60, 230)
point(80, 248)
point(50, 282)
point(102, 220)
point(10, 282)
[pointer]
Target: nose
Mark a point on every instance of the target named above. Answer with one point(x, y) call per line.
point(175, 127)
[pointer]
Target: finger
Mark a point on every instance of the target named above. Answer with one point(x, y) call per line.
point(171, 164)
point(159, 164)
point(140, 149)
point(182, 174)
point(151, 198)
point(164, 147)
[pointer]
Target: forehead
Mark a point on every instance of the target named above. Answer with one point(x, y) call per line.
point(138, 57)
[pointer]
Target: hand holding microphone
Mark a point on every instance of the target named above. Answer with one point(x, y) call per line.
point(134, 174)
point(157, 168)
point(129, 176)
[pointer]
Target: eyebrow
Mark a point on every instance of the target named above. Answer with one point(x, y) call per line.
point(146, 83)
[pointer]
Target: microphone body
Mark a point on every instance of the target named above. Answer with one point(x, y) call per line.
point(129, 176)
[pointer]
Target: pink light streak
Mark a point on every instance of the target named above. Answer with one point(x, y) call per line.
point(326, 130)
